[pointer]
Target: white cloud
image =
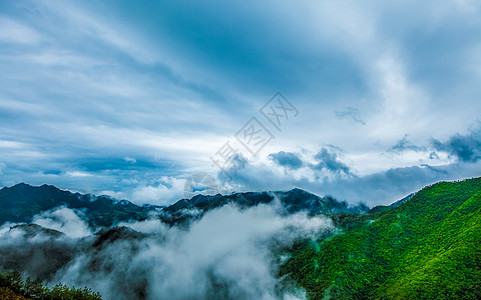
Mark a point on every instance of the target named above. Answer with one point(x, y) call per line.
point(468, 6)
point(65, 220)
point(56, 58)
point(114, 33)
point(130, 159)
point(165, 191)
point(227, 247)
point(404, 106)
point(12, 31)
point(78, 174)
point(11, 144)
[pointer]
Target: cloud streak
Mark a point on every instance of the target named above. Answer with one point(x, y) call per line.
point(350, 113)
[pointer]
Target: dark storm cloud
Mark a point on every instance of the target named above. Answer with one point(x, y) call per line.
point(329, 160)
point(467, 148)
point(286, 159)
point(403, 145)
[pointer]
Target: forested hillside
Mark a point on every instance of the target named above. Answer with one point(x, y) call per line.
point(426, 248)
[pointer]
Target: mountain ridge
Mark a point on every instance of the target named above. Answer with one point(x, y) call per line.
point(22, 201)
point(426, 245)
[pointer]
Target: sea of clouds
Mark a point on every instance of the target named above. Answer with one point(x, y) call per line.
point(230, 253)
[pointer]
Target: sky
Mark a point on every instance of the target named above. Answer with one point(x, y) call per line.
point(366, 102)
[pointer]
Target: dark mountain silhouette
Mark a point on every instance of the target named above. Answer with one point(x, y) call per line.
point(292, 201)
point(22, 201)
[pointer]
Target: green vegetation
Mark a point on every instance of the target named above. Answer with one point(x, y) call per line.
point(12, 286)
point(426, 248)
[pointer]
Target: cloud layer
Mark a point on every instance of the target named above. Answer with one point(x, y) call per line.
point(133, 102)
point(229, 254)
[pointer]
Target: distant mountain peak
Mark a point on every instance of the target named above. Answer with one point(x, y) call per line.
point(299, 190)
point(21, 202)
point(293, 201)
point(21, 185)
point(32, 230)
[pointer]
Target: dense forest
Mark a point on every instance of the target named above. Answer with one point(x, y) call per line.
point(13, 286)
point(426, 248)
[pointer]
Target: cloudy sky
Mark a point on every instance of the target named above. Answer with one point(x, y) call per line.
point(377, 100)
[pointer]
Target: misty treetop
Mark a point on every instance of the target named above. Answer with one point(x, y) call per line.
point(13, 286)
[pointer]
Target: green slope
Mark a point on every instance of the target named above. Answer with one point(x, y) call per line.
point(427, 248)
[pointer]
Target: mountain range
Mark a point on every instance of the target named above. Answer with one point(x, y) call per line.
point(424, 246)
point(20, 203)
